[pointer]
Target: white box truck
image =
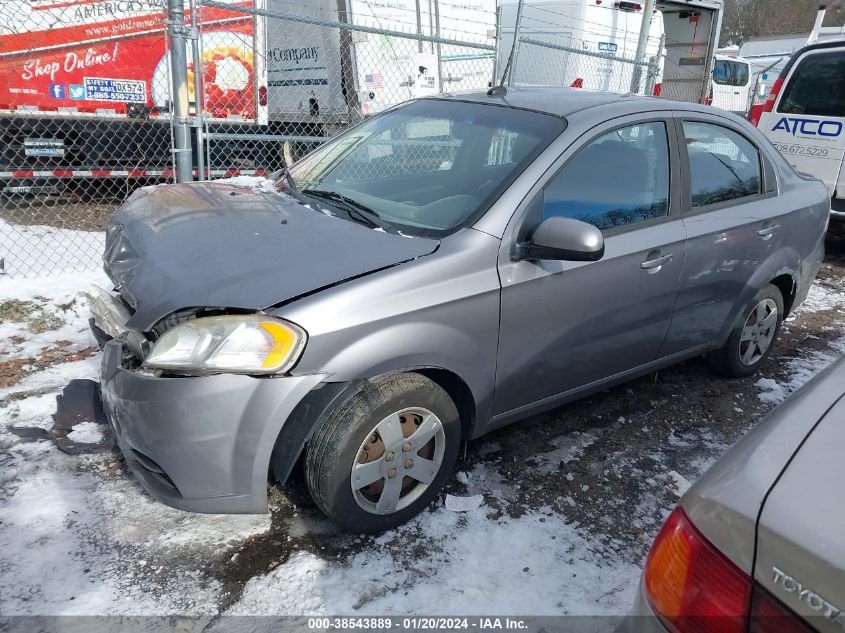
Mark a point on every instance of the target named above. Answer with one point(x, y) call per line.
point(683, 35)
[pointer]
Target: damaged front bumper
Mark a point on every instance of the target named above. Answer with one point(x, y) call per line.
point(201, 444)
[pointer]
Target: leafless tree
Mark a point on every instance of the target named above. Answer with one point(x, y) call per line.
point(744, 19)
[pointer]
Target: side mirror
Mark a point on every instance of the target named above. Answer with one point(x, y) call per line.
point(563, 239)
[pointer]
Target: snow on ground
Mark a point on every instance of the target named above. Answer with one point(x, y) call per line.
point(58, 250)
point(78, 536)
point(801, 369)
point(535, 564)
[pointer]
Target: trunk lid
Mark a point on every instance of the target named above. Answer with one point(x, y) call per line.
point(800, 549)
point(212, 244)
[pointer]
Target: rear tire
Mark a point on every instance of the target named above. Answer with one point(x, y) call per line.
point(363, 462)
point(753, 337)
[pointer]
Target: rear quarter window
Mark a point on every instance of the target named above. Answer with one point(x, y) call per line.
point(816, 87)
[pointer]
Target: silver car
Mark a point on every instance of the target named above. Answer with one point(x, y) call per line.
point(439, 271)
point(757, 543)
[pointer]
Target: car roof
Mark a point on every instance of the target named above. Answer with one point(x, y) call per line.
point(563, 102)
point(556, 101)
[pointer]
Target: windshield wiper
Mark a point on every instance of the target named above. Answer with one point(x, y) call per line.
point(290, 186)
point(354, 208)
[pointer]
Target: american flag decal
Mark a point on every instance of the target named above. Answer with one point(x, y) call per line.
point(374, 80)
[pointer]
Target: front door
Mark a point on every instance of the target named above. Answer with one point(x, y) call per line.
point(566, 325)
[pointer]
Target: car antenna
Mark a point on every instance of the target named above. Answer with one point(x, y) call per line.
point(501, 90)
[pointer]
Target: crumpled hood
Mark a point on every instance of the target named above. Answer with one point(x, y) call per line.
point(219, 245)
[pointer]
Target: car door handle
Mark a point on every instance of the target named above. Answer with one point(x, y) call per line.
point(653, 265)
point(768, 231)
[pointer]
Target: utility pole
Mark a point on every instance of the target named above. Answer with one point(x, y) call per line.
point(179, 33)
point(642, 45)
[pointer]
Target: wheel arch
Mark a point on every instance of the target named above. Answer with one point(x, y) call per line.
point(329, 397)
point(782, 271)
point(788, 286)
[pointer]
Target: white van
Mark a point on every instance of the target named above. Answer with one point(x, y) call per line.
point(578, 43)
point(731, 84)
point(805, 116)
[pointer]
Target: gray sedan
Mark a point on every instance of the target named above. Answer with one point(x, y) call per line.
point(756, 544)
point(439, 271)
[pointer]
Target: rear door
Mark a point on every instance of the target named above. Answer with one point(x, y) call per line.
point(807, 123)
point(800, 544)
point(731, 223)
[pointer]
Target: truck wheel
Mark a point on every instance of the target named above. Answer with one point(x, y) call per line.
point(752, 338)
point(385, 454)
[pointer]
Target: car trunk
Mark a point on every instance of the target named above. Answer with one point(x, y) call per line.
point(800, 544)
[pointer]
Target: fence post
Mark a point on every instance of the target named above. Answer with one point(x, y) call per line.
point(178, 33)
point(642, 45)
point(439, 51)
point(515, 48)
point(198, 89)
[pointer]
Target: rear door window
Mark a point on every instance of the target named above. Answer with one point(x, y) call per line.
point(730, 73)
point(816, 87)
point(724, 165)
point(620, 178)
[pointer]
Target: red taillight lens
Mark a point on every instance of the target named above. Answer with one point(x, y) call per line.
point(769, 106)
point(578, 83)
point(692, 586)
point(658, 88)
point(262, 95)
point(769, 615)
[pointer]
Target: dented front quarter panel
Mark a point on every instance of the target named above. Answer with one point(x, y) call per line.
point(440, 311)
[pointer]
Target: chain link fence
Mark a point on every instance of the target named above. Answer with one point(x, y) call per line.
point(324, 68)
point(87, 116)
point(84, 120)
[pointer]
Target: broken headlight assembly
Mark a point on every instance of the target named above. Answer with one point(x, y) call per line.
point(240, 344)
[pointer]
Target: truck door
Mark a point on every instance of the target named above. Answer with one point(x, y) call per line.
point(806, 124)
point(692, 30)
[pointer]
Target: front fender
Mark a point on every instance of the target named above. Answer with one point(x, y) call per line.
point(413, 345)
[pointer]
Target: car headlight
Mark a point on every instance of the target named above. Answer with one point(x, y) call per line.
point(244, 344)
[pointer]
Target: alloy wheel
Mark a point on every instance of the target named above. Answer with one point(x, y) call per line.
point(758, 332)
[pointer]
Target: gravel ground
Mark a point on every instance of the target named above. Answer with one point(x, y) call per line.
point(571, 499)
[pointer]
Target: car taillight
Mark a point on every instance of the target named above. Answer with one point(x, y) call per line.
point(769, 106)
point(658, 88)
point(578, 83)
point(692, 586)
point(769, 615)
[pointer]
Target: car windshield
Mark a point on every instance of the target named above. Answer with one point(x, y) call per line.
point(426, 168)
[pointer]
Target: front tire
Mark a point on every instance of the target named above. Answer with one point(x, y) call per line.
point(385, 454)
point(753, 337)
